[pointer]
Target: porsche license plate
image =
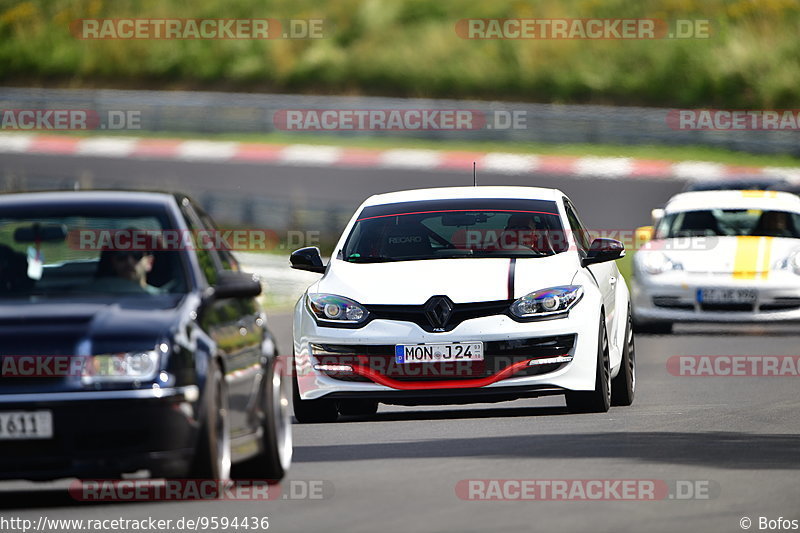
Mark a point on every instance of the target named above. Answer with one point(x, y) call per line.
point(434, 353)
point(726, 296)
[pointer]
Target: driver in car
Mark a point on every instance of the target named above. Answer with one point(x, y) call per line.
point(125, 271)
point(774, 224)
point(521, 232)
point(13, 266)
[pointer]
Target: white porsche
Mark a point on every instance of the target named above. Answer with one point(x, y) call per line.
point(461, 295)
point(720, 256)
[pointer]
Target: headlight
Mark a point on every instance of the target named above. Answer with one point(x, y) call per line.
point(335, 309)
point(657, 263)
point(546, 302)
point(790, 263)
point(134, 366)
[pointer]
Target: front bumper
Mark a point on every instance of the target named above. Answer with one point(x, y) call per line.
point(104, 434)
point(508, 376)
point(673, 297)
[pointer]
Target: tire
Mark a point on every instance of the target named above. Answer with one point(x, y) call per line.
point(623, 387)
point(598, 400)
point(311, 411)
point(212, 458)
point(654, 328)
point(276, 448)
point(358, 407)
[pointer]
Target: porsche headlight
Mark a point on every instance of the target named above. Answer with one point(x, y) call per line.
point(335, 309)
point(657, 263)
point(546, 302)
point(133, 366)
point(792, 262)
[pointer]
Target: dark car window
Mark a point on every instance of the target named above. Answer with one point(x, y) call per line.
point(443, 229)
point(205, 257)
point(225, 256)
point(729, 222)
point(109, 254)
point(578, 230)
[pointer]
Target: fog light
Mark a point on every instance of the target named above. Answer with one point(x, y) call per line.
point(550, 360)
point(333, 368)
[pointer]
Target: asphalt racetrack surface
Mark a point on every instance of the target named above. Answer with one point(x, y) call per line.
point(722, 450)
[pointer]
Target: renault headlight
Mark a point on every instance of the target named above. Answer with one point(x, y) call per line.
point(333, 309)
point(545, 302)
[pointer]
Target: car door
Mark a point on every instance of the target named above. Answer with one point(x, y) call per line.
point(605, 274)
point(235, 325)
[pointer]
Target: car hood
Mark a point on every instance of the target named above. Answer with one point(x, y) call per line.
point(725, 255)
point(463, 280)
point(59, 327)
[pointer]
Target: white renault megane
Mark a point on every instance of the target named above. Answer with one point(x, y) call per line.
point(461, 295)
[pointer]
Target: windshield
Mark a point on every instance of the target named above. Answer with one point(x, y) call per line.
point(62, 256)
point(733, 222)
point(440, 229)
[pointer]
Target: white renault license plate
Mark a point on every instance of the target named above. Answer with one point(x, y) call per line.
point(24, 425)
point(726, 296)
point(435, 353)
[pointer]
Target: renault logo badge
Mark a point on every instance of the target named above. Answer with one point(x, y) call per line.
point(438, 310)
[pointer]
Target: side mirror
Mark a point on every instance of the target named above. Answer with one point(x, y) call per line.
point(603, 250)
point(237, 285)
point(643, 235)
point(307, 259)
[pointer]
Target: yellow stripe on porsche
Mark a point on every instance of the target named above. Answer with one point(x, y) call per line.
point(752, 257)
point(760, 194)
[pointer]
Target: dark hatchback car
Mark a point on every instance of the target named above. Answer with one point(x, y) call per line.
point(122, 356)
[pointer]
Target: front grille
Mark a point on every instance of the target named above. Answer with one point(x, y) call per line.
point(742, 308)
point(38, 344)
point(498, 355)
point(460, 312)
point(38, 337)
point(672, 302)
point(781, 303)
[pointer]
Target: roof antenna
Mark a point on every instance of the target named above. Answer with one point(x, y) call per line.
point(474, 176)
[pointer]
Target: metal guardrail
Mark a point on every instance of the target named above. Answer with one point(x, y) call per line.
point(212, 113)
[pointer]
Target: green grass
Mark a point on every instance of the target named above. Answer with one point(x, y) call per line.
point(410, 48)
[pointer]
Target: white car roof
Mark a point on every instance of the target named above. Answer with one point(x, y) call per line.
point(444, 193)
point(763, 200)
